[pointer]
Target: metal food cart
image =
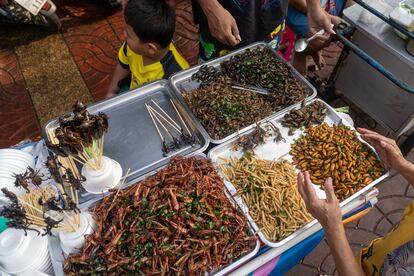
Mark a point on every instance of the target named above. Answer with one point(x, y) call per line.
point(375, 72)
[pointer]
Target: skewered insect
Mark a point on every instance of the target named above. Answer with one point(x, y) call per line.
point(53, 165)
point(50, 224)
point(70, 205)
point(21, 180)
point(34, 176)
point(80, 136)
point(15, 213)
point(72, 179)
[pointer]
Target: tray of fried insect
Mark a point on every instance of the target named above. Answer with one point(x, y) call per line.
point(147, 127)
point(260, 167)
point(179, 220)
point(230, 93)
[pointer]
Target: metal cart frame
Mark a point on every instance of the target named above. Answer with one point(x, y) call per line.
point(344, 32)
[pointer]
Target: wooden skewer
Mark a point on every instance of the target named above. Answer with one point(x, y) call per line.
point(181, 118)
point(165, 113)
point(77, 160)
point(31, 206)
point(69, 221)
point(158, 120)
point(156, 126)
point(162, 117)
point(102, 146)
point(122, 184)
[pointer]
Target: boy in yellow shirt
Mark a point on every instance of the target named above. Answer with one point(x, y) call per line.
point(148, 53)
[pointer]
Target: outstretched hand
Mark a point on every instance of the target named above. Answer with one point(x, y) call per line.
point(326, 211)
point(387, 149)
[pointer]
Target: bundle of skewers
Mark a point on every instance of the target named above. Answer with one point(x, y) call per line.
point(44, 207)
point(80, 136)
point(173, 135)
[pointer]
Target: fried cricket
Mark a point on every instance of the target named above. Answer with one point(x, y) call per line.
point(178, 221)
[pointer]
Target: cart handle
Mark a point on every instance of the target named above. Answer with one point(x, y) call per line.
point(375, 64)
point(385, 18)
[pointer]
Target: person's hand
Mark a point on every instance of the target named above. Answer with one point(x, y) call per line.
point(326, 211)
point(221, 24)
point(319, 19)
point(387, 149)
point(335, 20)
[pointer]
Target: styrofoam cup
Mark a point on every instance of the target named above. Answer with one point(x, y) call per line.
point(72, 242)
point(107, 177)
point(17, 249)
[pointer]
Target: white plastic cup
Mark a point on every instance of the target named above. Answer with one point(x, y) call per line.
point(72, 242)
point(17, 249)
point(107, 177)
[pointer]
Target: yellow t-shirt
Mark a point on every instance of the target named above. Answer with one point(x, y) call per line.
point(372, 257)
point(171, 63)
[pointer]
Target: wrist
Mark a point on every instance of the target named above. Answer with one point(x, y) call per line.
point(209, 6)
point(405, 167)
point(335, 228)
point(313, 5)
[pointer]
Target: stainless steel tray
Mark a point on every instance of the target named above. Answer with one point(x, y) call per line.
point(182, 81)
point(58, 259)
point(132, 138)
point(273, 151)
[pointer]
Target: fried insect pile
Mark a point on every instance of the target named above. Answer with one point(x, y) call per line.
point(206, 75)
point(223, 110)
point(314, 113)
point(80, 134)
point(336, 152)
point(260, 68)
point(269, 190)
point(178, 221)
point(258, 137)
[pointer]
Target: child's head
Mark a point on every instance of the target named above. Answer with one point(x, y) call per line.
point(150, 25)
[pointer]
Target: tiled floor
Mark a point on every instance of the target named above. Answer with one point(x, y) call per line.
point(17, 115)
point(93, 32)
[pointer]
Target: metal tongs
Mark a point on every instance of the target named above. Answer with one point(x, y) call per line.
point(251, 88)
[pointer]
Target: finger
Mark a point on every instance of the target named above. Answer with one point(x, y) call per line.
point(378, 138)
point(327, 24)
point(301, 188)
point(231, 39)
point(362, 130)
point(309, 190)
point(222, 39)
point(228, 35)
point(235, 31)
point(329, 190)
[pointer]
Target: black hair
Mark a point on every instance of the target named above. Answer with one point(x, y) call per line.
point(151, 20)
